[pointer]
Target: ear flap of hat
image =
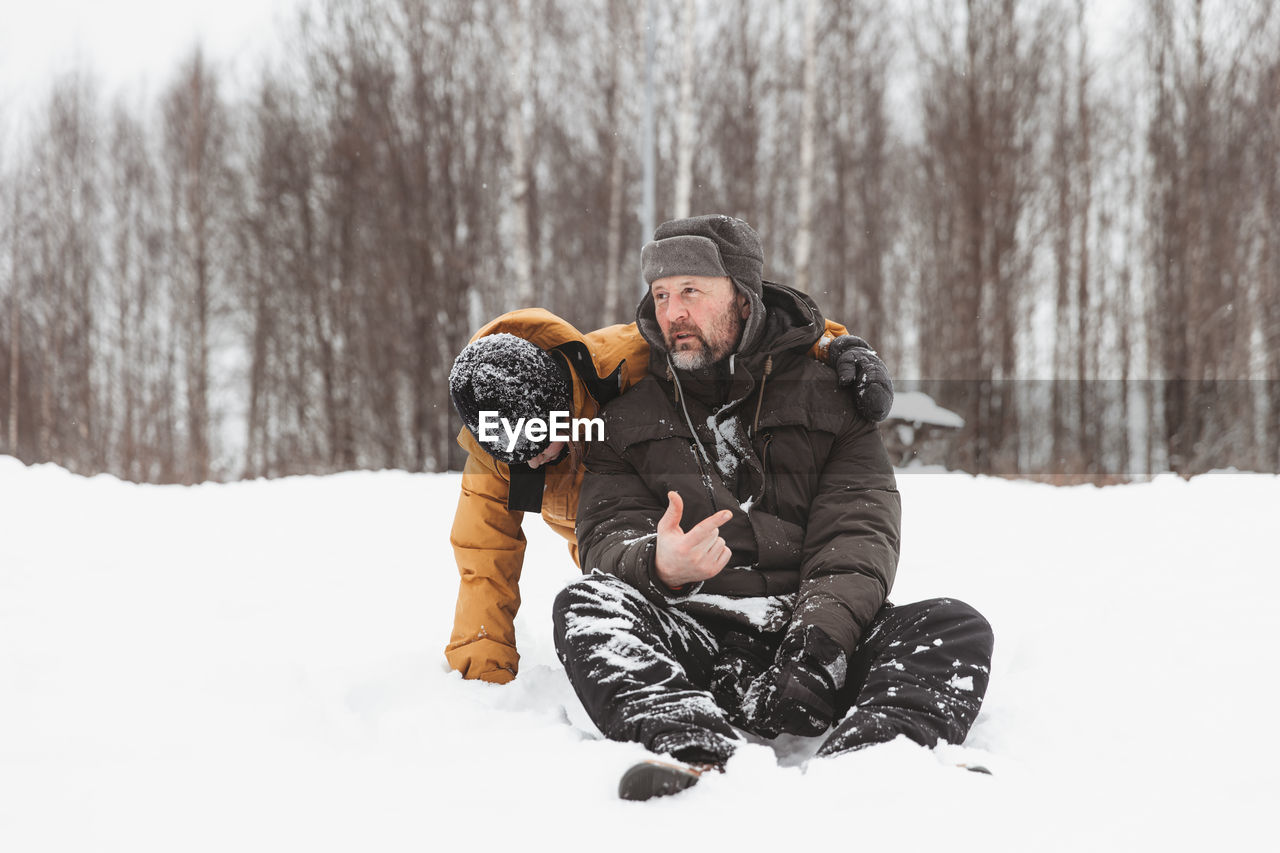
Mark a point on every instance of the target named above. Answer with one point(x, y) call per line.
point(753, 325)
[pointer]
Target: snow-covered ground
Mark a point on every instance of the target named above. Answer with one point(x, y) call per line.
point(258, 666)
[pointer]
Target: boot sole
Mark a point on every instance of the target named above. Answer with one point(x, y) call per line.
point(650, 779)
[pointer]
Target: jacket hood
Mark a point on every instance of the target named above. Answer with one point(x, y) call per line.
point(536, 325)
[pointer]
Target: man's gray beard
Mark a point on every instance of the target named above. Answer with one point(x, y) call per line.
point(692, 359)
point(705, 355)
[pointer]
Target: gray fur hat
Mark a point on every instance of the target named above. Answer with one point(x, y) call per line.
point(714, 245)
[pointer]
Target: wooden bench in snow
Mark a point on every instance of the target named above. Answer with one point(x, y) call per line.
point(918, 429)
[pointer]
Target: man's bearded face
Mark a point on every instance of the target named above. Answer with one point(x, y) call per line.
point(700, 317)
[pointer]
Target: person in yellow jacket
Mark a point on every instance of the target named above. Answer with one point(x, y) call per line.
point(527, 364)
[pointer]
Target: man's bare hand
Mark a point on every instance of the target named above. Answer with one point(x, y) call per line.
point(683, 558)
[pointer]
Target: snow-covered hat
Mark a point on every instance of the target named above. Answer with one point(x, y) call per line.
point(506, 374)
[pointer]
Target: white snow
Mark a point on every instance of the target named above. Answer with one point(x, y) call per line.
point(764, 612)
point(258, 666)
point(729, 451)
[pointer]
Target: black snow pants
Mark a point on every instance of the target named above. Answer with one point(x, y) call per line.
point(643, 672)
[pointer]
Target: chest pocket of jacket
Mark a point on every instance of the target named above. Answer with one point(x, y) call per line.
point(793, 449)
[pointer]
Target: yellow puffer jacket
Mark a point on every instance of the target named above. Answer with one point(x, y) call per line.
point(487, 539)
point(488, 542)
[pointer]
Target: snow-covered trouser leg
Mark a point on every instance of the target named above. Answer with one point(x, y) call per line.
point(921, 671)
point(641, 670)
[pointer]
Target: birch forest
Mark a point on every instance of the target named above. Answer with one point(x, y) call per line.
point(1069, 236)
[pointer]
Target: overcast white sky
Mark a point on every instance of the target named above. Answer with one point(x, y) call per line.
point(126, 42)
point(133, 46)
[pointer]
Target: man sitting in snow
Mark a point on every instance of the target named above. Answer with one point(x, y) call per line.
point(740, 526)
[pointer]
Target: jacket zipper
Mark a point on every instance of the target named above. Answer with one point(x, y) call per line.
point(767, 438)
point(699, 452)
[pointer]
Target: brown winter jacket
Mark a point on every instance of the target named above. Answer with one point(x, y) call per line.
point(816, 512)
point(487, 539)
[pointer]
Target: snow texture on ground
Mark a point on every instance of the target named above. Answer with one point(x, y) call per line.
point(259, 666)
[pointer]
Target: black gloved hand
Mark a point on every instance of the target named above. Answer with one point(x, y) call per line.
point(797, 694)
point(741, 660)
point(858, 367)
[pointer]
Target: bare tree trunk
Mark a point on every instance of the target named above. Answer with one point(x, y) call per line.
point(15, 368)
point(196, 140)
point(840, 287)
point(616, 32)
point(15, 326)
point(1085, 320)
point(198, 369)
point(745, 128)
point(808, 131)
point(983, 105)
point(1063, 445)
point(874, 183)
point(1124, 318)
point(1269, 278)
point(613, 255)
point(256, 436)
point(975, 190)
point(686, 141)
point(51, 356)
point(520, 59)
